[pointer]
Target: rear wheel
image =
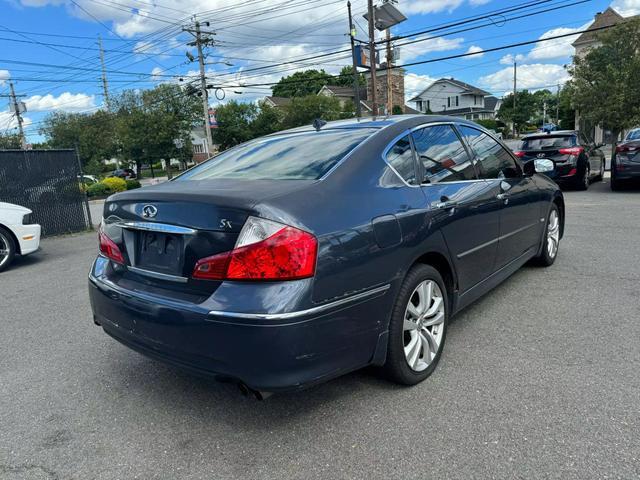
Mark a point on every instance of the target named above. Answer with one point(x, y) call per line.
point(551, 240)
point(615, 183)
point(7, 248)
point(583, 183)
point(418, 326)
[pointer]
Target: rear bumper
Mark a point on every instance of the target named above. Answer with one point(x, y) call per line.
point(268, 352)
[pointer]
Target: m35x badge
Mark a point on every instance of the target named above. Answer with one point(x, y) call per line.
point(149, 211)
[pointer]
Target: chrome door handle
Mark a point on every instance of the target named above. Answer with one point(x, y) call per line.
point(447, 204)
point(502, 196)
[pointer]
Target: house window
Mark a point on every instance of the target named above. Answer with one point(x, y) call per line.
point(475, 100)
point(448, 102)
point(198, 148)
point(457, 101)
point(419, 105)
point(429, 105)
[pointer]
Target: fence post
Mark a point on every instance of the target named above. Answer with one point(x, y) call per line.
point(86, 197)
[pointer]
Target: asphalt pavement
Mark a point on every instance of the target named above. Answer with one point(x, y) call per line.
point(538, 380)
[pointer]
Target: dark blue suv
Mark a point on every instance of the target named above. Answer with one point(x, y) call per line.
point(300, 256)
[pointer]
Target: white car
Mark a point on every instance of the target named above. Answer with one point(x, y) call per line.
point(18, 236)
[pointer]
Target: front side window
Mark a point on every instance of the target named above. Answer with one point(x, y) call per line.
point(400, 157)
point(442, 155)
point(293, 156)
point(492, 159)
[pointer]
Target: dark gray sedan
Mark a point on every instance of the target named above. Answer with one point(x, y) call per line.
point(625, 165)
point(303, 255)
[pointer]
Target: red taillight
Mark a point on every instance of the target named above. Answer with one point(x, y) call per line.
point(265, 250)
point(571, 151)
point(519, 153)
point(626, 148)
point(109, 249)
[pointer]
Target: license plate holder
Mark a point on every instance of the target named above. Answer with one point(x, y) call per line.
point(160, 252)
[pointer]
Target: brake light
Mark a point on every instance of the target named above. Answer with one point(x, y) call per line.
point(626, 148)
point(571, 151)
point(265, 250)
point(109, 249)
point(519, 153)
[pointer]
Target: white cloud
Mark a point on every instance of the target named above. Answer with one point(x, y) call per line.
point(533, 76)
point(508, 59)
point(8, 121)
point(437, 44)
point(430, 6)
point(478, 2)
point(477, 51)
point(414, 84)
point(4, 76)
point(65, 101)
point(558, 48)
point(626, 8)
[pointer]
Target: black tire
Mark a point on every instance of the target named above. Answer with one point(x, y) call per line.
point(584, 181)
point(396, 366)
point(6, 243)
point(545, 259)
point(615, 183)
point(600, 176)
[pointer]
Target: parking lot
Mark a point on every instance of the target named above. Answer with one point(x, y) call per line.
point(539, 379)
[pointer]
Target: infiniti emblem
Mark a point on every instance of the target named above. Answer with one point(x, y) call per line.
point(149, 211)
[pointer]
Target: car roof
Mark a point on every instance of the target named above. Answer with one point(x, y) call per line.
point(555, 133)
point(381, 122)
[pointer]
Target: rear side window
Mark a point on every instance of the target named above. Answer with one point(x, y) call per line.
point(442, 155)
point(294, 156)
point(549, 142)
point(400, 157)
point(633, 134)
point(492, 159)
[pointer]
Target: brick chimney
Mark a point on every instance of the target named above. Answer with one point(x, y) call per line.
point(397, 87)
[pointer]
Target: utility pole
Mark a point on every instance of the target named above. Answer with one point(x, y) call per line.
point(515, 90)
point(389, 86)
point(17, 109)
point(198, 43)
point(356, 79)
point(544, 112)
point(105, 86)
point(558, 107)
point(372, 57)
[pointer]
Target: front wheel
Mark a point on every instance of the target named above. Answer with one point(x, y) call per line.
point(7, 248)
point(551, 240)
point(418, 326)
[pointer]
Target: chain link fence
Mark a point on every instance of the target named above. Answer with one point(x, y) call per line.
point(46, 182)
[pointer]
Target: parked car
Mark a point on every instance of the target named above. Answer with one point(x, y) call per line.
point(496, 134)
point(625, 164)
point(124, 173)
point(87, 179)
point(300, 256)
point(548, 127)
point(578, 161)
point(18, 234)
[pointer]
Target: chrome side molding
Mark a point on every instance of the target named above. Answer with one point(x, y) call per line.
point(374, 292)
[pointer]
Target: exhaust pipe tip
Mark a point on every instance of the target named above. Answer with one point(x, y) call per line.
point(257, 394)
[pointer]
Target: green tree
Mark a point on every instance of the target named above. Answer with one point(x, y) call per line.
point(345, 78)
point(10, 141)
point(299, 84)
point(304, 110)
point(92, 133)
point(524, 111)
point(147, 122)
point(267, 120)
point(604, 87)
point(567, 112)
point(235, 121)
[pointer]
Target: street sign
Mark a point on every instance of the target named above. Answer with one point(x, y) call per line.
point(362, 56)
point(386, 16)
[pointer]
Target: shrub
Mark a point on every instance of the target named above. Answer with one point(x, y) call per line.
point(397, 110)
point(488, 123)
point(115, 184)
point(98, 190)
point(131, 184)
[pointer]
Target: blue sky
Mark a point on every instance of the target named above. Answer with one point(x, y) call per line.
point(49, 47)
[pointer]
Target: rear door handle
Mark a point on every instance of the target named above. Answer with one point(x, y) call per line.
point(447, 204)
point(502, 196)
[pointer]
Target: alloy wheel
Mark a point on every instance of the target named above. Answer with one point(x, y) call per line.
point(4, 249)
point(423, 325)
point(585, 179)
point(553, 233)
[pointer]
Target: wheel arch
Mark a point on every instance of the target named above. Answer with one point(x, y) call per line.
point(13, 236)
point(441, 263)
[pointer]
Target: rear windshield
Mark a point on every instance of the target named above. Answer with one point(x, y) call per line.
point(294, 156)
point(548, 142)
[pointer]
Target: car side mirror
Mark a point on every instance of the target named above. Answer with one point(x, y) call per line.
point(543, 165)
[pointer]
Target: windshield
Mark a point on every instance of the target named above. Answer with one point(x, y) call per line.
point(548, 142)
point(633, 134)
point(294, 156)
